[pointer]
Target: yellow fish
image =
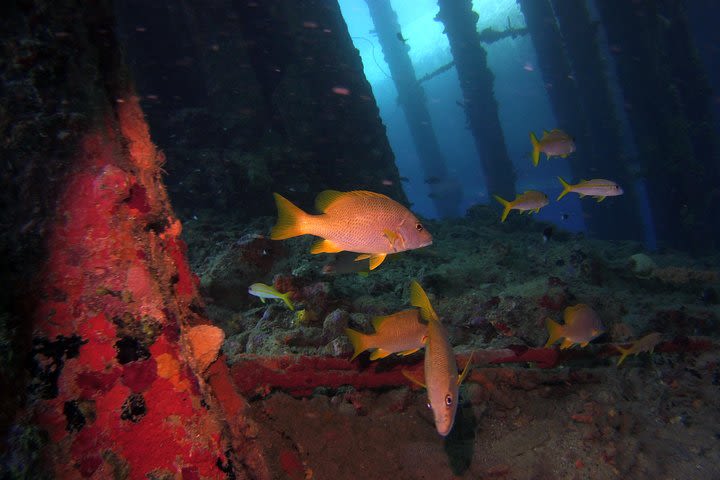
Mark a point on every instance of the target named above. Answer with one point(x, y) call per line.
point(532, 201)
point(263, 291)
point(441, 375)
point(582, 325)
point(554, 143)
point(400, 332)
point(597, 188)
point(359, 221)
point(645, 344)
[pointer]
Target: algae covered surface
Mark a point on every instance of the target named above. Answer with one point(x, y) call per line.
point(493, 286)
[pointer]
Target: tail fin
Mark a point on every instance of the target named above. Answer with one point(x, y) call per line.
point(286, 298)
point(624, 353)
point(505, 204)
point(555, 330)
point(289, 223)
point(536, 149)
point(358, 341)
point(418, 298)
point(567, 188)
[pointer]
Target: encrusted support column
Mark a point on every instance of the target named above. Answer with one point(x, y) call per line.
point(479, 103)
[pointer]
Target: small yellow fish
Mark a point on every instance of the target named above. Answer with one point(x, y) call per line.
point(400, 332)
point(597, 188)
point(263, 291)
point(304, 317)
point(441, 375)
point(582, 325)
point(645, 344)
point(554, 143)
point(368, 223)
point(531, 200)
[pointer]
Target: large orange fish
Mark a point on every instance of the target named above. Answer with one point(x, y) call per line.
point(359, 221)
point(554, 143)
point(401, 332)
point(441, 375)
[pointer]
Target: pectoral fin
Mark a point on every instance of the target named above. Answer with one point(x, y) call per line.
point(324, 246)
point(405, 353)
point(393, 238)
point(413, 379)
point(375, 259)
point(379, 353)
point(566, 344)
point(600, 199)
point(466, 370)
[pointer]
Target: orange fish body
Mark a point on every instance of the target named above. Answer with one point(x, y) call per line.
point(645, 344)
point(359, 221)
point(531, 201)
point(554, 143)
point(582, 325)
point(401, 332)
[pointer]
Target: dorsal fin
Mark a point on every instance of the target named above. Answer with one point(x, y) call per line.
point(418, 298)
point(327, 198)
point(378, 321)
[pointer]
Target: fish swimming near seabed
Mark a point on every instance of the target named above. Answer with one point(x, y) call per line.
point(530, 201)
point(401, 332)
point(263, 291)
point(368, 223)
point(598, 188)
point(441, 375)
point(645, 344)
point(582, 325)
point(554, 143)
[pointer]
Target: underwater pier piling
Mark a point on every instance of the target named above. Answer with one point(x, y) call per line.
point(479, 103)
point(580, 35)
point(411, 98)
point(681, 182)
point(565, 100)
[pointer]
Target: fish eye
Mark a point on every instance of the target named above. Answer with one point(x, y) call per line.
point(448, 400)
point(419, 227)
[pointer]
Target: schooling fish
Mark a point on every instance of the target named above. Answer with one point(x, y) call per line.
point(645, 344)
point(401, 332)
point(554, 143)
point(359, 221)
point(263, 291)
point(532, 201)
point(582, 325)
point(441, 375)
point(597, 188)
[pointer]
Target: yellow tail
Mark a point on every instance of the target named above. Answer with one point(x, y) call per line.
point(624, 353)
point(358, 340)
point(290, 219)
point(536, 149)
point(286, 298)
point(567, 188)
point(555, 330)
point(418, 298)
point(507, 205)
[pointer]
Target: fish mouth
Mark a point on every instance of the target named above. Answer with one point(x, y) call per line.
point(425, 244)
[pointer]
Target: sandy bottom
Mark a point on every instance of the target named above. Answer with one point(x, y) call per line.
point(653, 418)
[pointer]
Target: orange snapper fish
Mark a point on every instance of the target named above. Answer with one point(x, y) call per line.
point(531, 201)
point(597, 188)
point(645, 344)
point(441, 374)
point(582, 325)
point(554, 143)
point(401, 332)
point(368, 223)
